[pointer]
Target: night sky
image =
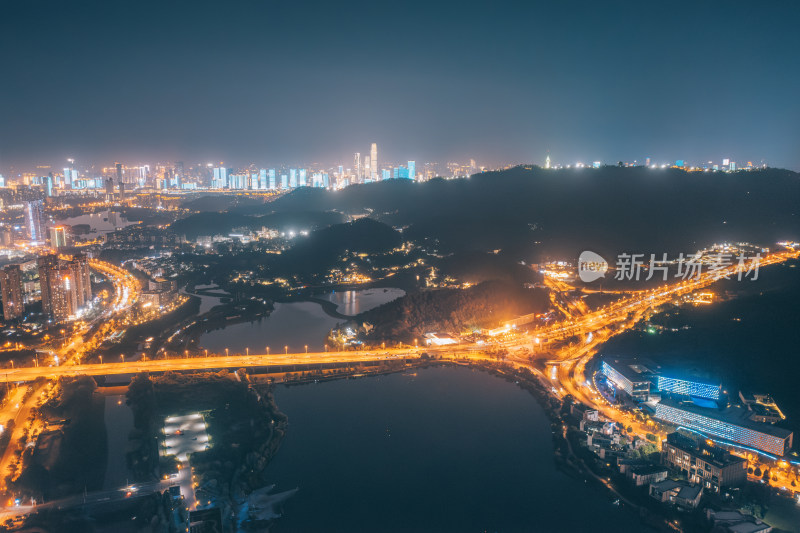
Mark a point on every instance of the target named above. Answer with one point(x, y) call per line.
point(303, 82)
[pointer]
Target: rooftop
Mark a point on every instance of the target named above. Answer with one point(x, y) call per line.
point(633, 369)
point(734, 414)
point(716, 456)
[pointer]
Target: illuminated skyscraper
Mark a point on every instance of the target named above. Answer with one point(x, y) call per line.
point(178, 174)
point(373, 156)
point(367, 169)
point(293, 178)
point(11, 290)
point(66, 286)
point(357, 165)
point(34, 213)
point(272, 184)
point(412, 169)
point(58, 237)
point(302, 179)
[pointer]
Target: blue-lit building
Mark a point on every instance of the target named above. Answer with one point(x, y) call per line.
point(628, 376)
point(730, 424)
point(272, 184)
point(302, 180)
point(685, 387)
point(412, 170)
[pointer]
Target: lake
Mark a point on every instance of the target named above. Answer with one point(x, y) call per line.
point(294, 324)
point(100, 223)
point(440, 449)
point(357, 301)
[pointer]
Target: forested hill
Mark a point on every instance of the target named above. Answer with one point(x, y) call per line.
point(563, 211)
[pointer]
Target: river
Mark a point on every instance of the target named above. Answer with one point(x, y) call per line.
point(440, 449)
point(118, 419)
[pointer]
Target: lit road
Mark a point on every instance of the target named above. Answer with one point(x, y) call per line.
point(587, 328)
point(126, 289)
point(601, 324)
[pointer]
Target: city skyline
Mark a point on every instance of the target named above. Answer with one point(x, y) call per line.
point(498, 85)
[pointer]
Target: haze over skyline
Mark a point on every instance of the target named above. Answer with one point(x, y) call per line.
point(501, 82)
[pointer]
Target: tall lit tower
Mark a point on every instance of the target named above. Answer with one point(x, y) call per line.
point(34, 212)
point(547, 161)
point(373, 161)
point(11, 289)
point(357, 165)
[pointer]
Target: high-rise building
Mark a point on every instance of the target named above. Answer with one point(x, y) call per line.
point(302, 178)
point(6, 236)
point(272, 184)
point(66, 286)
point(80, 264)
point(220, 180)
point(11, 291)
point(373, 156)
point(178, 174)
point(412, 170)
point(58, 237)
point(34, 213)
point(293, 178)
point(367, 169)
point(118, 168)
point(45, 264)
point(357, 165)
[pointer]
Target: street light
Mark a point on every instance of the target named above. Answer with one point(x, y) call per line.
point(101, 359)
point(267, 350)
point(226, 352)
point(247, 351)
point(122, 357)
point(306, 348)
point(206, 353)
point(12, 363)
point(285, 349)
